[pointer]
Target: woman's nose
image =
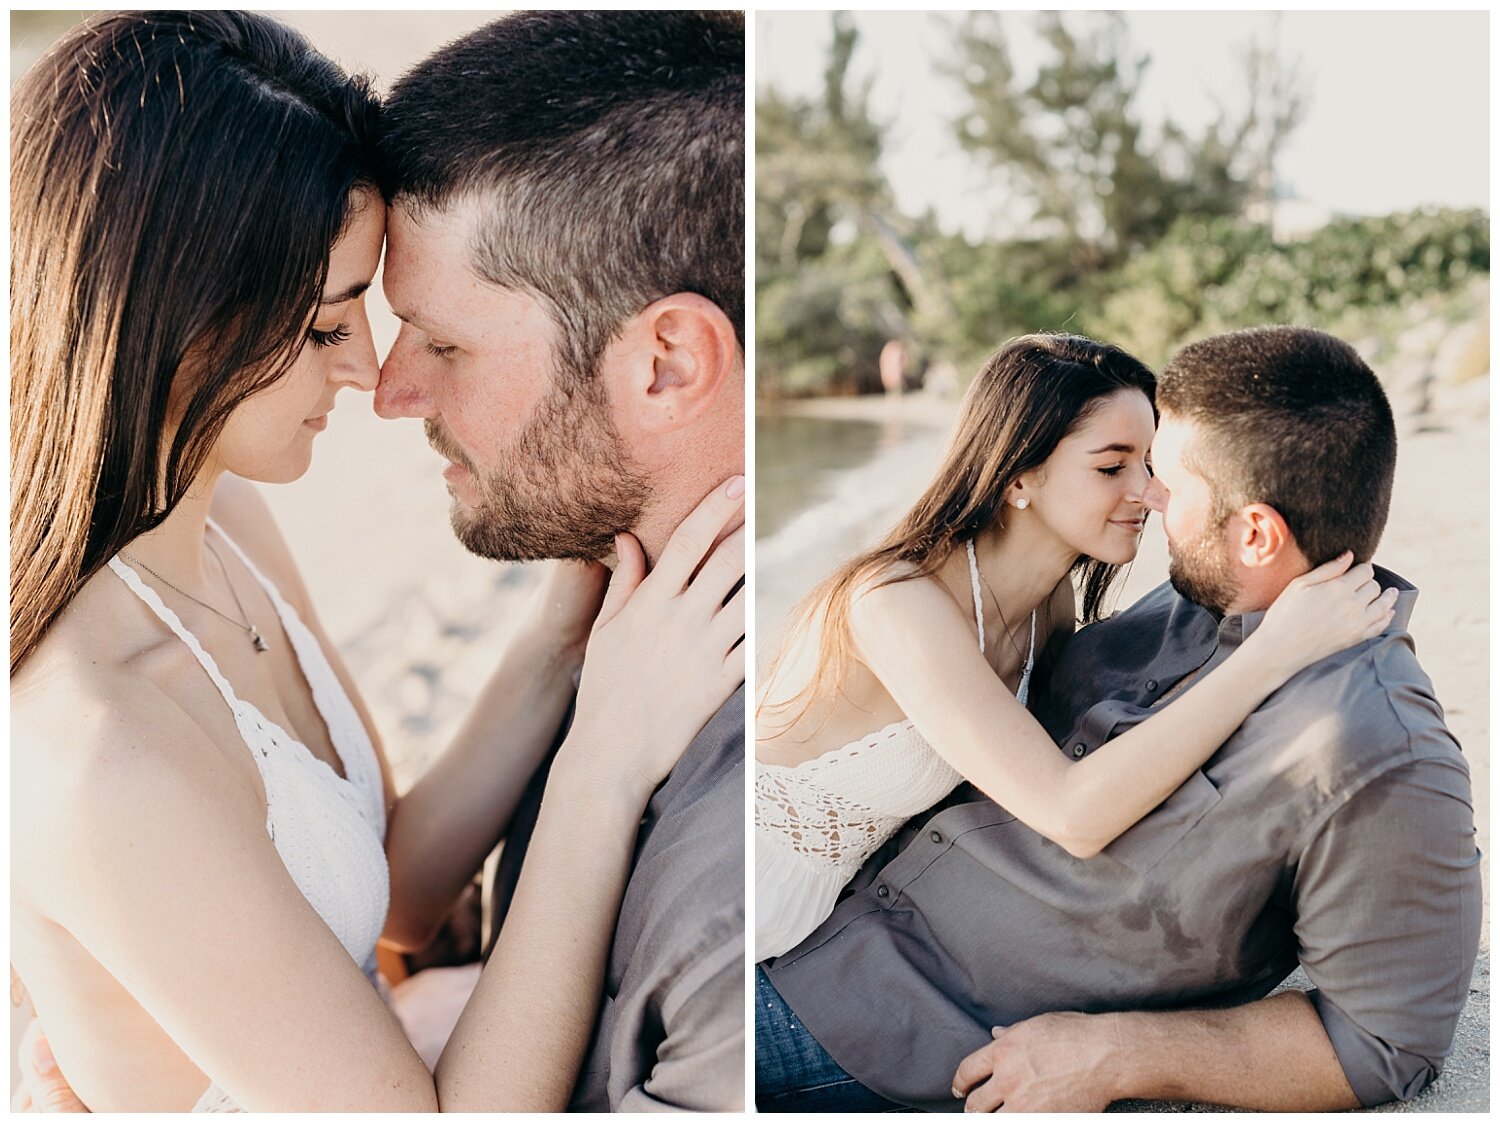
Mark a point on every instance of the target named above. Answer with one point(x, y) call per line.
point(357, 365)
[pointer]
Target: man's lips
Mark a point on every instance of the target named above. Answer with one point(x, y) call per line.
point(443, 446)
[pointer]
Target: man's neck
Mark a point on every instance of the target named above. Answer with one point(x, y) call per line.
point(656, 527)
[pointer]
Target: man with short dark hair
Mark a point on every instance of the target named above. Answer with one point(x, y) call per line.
point(566, 253)
point(1334, 828)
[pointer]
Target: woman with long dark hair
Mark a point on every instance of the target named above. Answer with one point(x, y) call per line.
point(932, 638)
point(206, 844)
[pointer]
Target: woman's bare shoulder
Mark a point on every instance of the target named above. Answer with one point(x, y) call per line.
point(899, 595)
point(77, 720)
point(94, 704)
point(96, 748)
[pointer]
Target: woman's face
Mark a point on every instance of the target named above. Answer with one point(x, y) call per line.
point(1089, 493)
point(269, 435)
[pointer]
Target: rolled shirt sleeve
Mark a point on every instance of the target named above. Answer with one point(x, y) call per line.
point(1388, 902)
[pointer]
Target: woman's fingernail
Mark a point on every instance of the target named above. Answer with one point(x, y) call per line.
point(957, 1095)
point(736, 487)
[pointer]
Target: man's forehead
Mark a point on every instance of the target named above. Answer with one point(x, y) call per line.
point(1173, 435)
point(427, 266)
point(424, 242)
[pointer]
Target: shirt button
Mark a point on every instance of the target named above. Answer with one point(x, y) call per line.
point(882, 892)
point(936, 836)
point(1079, 750)
point(1150, 684)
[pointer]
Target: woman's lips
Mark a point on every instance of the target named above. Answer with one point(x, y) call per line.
point(319, 423)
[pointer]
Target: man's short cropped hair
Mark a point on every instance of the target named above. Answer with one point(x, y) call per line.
point(607, 150)
point(1294, 418)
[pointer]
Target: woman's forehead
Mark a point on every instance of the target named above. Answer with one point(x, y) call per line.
point(1123, 418)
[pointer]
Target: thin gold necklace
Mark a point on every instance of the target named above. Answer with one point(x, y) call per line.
point(246, 623)
point(1004, 623)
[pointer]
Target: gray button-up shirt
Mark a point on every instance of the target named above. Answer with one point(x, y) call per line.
point(670, 1032)
point(1335, 827)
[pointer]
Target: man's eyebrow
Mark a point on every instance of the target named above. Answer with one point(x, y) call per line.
point(1112, 448)
point(422, 319)
point(347, 295)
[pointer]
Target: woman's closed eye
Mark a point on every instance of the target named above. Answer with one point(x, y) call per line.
point(329, 338)
point(1116, 469)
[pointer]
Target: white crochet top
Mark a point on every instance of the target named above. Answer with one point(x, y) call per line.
point(816, 822)
point(329, 830)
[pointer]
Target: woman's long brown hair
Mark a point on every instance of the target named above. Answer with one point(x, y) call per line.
point(1030, 394)
point(177, 182)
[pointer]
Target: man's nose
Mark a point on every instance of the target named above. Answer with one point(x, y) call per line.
point(400, 392)
point(1155, 495)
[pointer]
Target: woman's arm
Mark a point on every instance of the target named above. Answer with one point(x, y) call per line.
point(920, 644)
point(441, 830)
point(154, 856)
point(658, 668)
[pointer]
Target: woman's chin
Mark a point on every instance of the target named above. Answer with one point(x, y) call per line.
point(1115, 554)
point(286, 469)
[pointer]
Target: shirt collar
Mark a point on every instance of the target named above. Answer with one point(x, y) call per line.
point(1236, 629)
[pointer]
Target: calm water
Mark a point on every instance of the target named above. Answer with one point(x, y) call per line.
point(796, 456)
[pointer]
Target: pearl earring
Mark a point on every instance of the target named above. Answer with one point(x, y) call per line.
point(1022, 503)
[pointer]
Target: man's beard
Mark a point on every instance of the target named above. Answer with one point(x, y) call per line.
point(564, 490)
point(1200, 572)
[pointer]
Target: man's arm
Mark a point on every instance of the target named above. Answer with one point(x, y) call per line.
point(700, 1065)
point(1271, 1055)
point(1388, 905)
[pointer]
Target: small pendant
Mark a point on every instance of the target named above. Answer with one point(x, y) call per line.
point(260, 644)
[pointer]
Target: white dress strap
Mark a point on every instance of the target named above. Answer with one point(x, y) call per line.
point(978, 600)
point(154, 602)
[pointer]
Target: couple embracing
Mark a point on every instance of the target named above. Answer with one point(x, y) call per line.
point(206, 844)
point(1067, 869)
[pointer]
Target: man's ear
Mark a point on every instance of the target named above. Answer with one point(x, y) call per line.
point(681, 351)
point(1261, 537)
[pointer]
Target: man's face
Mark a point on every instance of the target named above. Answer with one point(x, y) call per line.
point(536, 468)
point(1197, 541)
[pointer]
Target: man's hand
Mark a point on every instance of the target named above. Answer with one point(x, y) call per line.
point(1269, 1055)
point(43, 1087)
point(1053, 1062)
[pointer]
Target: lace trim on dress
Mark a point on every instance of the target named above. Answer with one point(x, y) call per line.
point(837, 808)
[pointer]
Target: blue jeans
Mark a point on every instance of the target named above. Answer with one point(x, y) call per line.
point(792, 1071)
